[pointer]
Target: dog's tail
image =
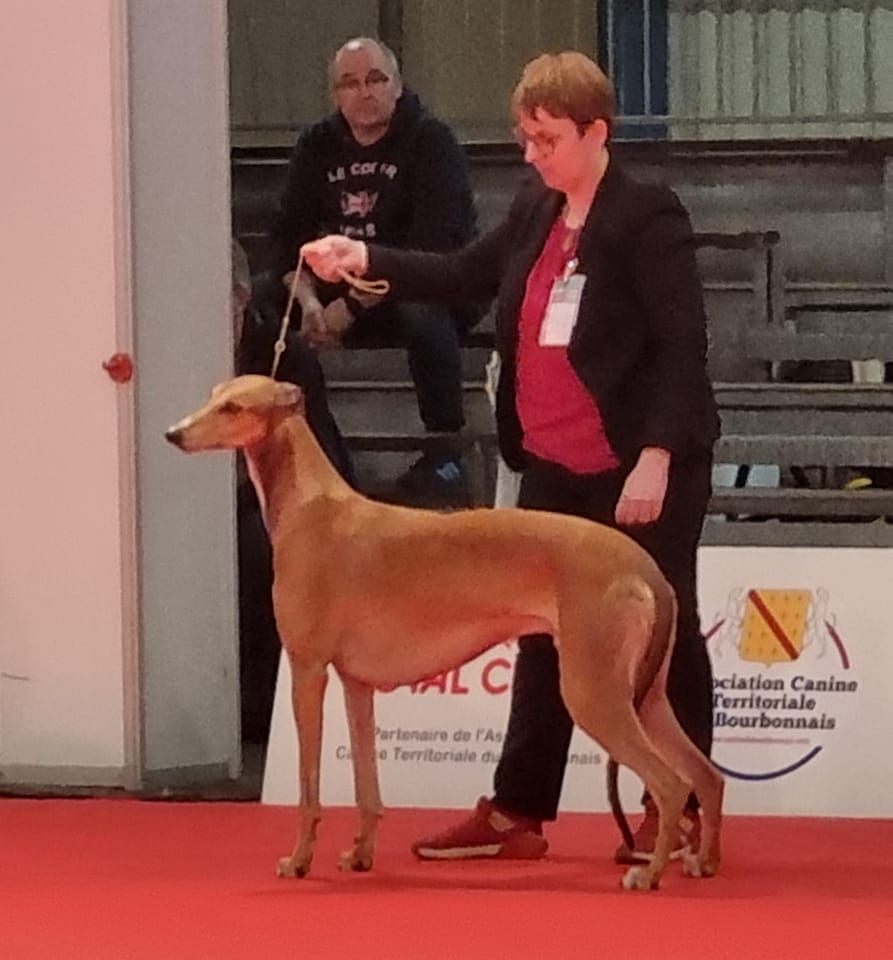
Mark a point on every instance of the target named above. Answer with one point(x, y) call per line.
point(616, 807)
point(663, 634)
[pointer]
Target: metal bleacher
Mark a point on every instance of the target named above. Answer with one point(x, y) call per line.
point(373, 399)
point(823, 427)
point(763, 325)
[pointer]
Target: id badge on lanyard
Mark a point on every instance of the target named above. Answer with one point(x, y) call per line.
point(564, 306)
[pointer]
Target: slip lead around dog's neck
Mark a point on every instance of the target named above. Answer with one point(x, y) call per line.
point(376, 287)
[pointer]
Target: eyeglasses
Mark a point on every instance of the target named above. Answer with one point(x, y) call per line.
point(374, 80)
point(545, 143)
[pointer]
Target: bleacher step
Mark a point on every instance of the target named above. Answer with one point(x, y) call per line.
point(390, 364)
point(398, 411)
point(795, 450)
point(794, 533)
point(778, 345)
point(795, 501)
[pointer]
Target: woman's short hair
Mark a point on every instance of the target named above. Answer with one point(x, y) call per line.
point(566, 84)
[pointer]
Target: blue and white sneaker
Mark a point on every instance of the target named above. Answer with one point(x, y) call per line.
point(438, 477)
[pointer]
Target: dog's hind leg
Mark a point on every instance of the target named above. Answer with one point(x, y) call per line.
point(600, 662)
point(619, 731)
point(666, 733)
point(359, 700)
point(308, 687)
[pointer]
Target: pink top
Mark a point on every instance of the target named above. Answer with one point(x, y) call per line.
point(560, 419)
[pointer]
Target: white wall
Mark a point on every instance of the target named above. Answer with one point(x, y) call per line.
point(61, 581)
point(118, 659)
point(179, 149)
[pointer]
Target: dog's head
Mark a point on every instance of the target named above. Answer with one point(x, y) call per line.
point(240, 413)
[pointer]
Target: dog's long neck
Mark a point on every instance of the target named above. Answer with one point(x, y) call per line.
point(289, 470)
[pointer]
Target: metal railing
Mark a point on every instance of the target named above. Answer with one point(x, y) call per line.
point(743, 69)
point(684, 69)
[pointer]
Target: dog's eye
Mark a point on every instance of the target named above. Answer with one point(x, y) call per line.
point(230, 408)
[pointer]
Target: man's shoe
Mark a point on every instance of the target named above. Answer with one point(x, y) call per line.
point(646, 836)
point(477, 837)
point(436, 477)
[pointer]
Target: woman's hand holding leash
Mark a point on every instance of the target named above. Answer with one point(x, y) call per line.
point(332, 257)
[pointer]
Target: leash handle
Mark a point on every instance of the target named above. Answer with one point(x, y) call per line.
point(377, 288)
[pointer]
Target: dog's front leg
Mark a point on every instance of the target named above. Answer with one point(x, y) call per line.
point(308, 687)
point(360, 704)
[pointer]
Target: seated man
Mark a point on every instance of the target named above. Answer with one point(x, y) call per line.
point(383, 168)
point(259, 645)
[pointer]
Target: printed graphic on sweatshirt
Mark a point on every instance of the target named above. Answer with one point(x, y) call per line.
point(358, 204)
point(363, 190)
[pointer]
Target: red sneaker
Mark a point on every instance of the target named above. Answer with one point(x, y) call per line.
point(476, 837)
point(646, 835)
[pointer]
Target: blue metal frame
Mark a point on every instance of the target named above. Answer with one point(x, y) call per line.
point(639, 74)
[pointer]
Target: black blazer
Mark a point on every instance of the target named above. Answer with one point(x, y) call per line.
point(640, 342)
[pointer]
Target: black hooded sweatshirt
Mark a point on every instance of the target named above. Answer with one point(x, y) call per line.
point(409, 190)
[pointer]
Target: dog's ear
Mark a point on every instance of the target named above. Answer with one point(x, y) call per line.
point(289, 395)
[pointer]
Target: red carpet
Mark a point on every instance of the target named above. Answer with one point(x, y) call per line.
point(127, 880)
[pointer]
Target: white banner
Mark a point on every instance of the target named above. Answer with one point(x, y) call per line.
point(802, 672)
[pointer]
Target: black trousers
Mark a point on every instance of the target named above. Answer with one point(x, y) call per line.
point(431, 338)
point(259, 645)
point(530, 772)
point(429, 333)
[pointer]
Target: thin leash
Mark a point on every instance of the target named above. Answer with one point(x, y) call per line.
point(377, 287)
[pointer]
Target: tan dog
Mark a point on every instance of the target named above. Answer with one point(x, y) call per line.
point(390, 595)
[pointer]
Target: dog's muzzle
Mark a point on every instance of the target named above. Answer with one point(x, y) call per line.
point(174, 435)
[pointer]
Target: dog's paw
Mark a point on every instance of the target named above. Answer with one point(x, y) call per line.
point(695, 865)
point(639, 878)
point(291, 867)
point(355, 860)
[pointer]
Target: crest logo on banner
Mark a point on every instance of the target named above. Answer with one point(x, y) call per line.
point(783, 681)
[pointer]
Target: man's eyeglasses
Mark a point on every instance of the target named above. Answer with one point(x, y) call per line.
point(374, 80)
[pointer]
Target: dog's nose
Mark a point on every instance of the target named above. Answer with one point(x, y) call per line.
point(174, 435)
